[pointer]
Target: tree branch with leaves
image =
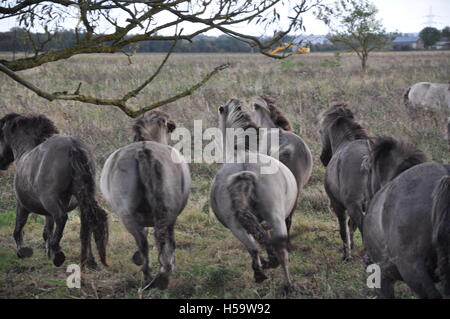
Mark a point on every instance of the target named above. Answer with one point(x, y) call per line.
point(354, 24)
point(134, 21)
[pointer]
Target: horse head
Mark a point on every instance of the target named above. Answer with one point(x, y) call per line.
point(153, 126)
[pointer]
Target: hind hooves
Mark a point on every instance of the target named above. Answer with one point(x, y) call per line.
point(272, 263)
point(260, 277)
point(161, 281)
point(59, 258)
point(25, 252)
point(90, 264)
point(347, 258)
point(137, 259)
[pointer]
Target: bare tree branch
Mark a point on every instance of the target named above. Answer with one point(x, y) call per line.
point(118, 102)
point(142, 20)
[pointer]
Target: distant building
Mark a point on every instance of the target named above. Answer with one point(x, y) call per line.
point(407, 43)
point(442, 44)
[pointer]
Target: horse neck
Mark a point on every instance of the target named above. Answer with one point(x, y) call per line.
point(262, 118)
point(339, 140)
point(158, 136)
point(22, 146)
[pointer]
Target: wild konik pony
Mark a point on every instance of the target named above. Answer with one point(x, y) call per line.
point(243, 197)
point(147, 184)
point(53, 174)
point(344, 144)
point(428, 96)
point(293, 151)
point(407, 224)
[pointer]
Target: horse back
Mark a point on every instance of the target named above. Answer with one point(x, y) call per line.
point(345, 180)
point(398, 221)
point(46, 171)
point(296, 155)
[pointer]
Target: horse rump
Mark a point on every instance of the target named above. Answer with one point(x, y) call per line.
point(93, 217)
point(241, 187)
point(441, 229)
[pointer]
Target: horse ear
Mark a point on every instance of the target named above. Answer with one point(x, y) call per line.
point(171, 126)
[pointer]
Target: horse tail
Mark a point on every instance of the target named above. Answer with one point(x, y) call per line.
point(150, 175)
point(241, 187)
point(406, 100)
point(93, 218)
point(441, 228)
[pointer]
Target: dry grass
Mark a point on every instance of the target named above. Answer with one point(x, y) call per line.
point(210, 261)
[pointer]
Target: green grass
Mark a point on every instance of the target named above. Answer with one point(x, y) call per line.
point(210, 262)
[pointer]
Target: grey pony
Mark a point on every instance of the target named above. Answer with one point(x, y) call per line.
point(243, 198)
point(428, 96)
point(407, 224)
point(344, 145)
point(147, 184)
point(293, 151)
point(54, 173)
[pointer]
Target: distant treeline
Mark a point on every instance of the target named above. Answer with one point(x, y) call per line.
point(19, 40)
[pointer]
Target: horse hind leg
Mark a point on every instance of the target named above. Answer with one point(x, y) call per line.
point(253, 249)
point(21, 219)
point(415, 275)
point(279, 242)
point(59, 215)
point(165, 243)
point(339, 210)
point(140, 257)
point(48, 232)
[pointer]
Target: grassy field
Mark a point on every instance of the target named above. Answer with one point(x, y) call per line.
point(210, 262)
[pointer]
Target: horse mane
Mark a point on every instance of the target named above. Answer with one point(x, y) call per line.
point(277, 116)
point(410, 154)
point(39, 127)
point(340, 116)
point(143, 120)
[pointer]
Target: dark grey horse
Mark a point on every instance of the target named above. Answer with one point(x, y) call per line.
point(147, 184)
point(243, 198)
point(407, 224)
point(53, 173)
point(344, 144)
point(293, 151)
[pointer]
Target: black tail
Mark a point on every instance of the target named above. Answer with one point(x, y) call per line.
point(93, 217)
point(441, 228)
point(150, 173)
point(241, 187)
point(406, 98)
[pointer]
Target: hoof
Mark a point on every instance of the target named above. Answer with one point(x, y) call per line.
point(260, 277)
point(59, 258)
point(137, 259)
point(289, 288)
point(91, 264)
point(347, 258)
point(25, 252)
point(161, 281)
point(272, 263)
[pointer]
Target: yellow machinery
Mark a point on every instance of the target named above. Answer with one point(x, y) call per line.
point(301, 50)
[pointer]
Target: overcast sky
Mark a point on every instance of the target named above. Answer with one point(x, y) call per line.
point(397, 15)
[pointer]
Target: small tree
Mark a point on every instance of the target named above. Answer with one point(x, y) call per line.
point(354, 24)
point(429, 36)
point(110, 26)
